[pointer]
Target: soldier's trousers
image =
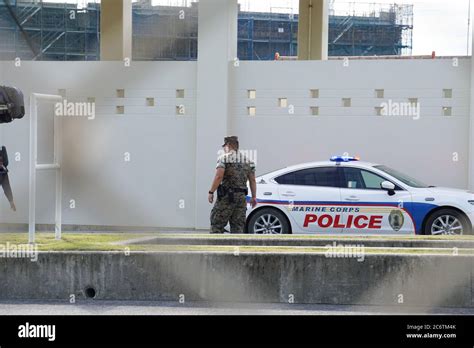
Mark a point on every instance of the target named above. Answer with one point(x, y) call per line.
point(225, 212)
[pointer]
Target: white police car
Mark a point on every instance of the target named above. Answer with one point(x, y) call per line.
point(348, 196)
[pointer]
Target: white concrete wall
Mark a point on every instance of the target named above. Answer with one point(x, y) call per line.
point(107, 190)
point(217, 46)
point(423, 148)
point(146, 191)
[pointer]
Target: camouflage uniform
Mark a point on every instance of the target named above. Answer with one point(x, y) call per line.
point(237, 170)
point(4, 180)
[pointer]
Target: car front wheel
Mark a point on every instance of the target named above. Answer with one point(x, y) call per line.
point(447, 222)
point(268, 221)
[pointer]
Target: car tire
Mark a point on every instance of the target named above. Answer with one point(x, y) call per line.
point(268, 221)
point(442, 219)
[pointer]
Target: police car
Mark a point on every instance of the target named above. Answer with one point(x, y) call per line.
point(346, 196)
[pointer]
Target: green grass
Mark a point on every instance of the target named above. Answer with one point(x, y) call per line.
point(70, 241)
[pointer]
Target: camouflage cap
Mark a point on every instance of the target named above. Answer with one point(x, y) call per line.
point(231, 140)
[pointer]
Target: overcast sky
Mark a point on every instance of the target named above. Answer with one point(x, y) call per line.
point(439, 25)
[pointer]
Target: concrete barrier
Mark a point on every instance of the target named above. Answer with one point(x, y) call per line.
point(424, 280)
point(313, 241)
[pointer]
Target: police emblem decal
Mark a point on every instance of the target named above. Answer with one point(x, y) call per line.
point(396, 220)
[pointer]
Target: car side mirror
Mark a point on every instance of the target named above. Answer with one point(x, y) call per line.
point(388, 186)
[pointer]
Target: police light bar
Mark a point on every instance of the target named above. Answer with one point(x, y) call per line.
point(344, 159)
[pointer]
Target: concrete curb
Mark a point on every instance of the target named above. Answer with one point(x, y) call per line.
point(437, 281)
point(314, 242)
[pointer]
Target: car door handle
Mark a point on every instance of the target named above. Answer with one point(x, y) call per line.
point(288, 194)
point(352, 199)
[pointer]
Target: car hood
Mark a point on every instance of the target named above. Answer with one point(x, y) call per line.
point(447, 190)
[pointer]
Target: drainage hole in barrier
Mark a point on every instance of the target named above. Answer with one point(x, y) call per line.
point(90, 292)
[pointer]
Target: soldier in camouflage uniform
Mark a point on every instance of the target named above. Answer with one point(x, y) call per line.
point(232, 172)
point(4, 180)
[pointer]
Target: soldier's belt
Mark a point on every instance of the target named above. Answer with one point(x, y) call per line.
point(224, 191)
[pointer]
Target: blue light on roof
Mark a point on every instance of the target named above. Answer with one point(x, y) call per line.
point(343, 159)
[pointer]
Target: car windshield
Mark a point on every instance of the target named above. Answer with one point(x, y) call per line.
point(402, 177)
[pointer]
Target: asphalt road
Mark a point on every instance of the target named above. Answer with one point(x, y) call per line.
point(175, 308)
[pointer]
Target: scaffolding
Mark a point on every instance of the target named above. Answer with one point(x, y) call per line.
point(168, 29)
point(261, 35)
point(40, 30)
point(165, 32)
point(369, 29)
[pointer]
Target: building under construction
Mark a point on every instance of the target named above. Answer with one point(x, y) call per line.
point(59, 31)
point(39, 30)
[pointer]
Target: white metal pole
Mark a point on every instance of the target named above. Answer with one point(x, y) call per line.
point(33, 159)
point(58, 162)
point(34, 166)
point(471, 119)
